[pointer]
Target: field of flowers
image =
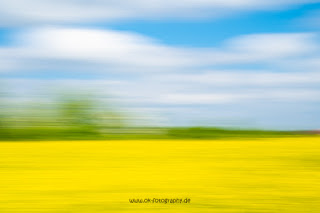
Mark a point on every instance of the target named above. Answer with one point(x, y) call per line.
point(256, 175)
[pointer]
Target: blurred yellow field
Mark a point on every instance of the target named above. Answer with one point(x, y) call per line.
point(267, 175)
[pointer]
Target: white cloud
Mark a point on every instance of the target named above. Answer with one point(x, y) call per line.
point(202, 98)
point(262, 78)
point(235, 97)
point(100, 50)
point(136, 93)
point(103, 46)
point(74, 11)
point(274, 45)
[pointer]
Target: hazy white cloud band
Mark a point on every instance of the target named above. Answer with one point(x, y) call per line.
point(100, 50)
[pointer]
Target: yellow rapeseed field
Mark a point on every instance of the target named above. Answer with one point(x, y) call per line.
point(266, 175)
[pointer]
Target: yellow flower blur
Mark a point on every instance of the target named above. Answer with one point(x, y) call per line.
point(261, 175)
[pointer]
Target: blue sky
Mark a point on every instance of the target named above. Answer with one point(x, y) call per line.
point(235, 63)
point(211, 32)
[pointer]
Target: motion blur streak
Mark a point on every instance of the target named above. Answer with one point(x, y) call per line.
point(266, 175)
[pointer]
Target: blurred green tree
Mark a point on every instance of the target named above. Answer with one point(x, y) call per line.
point(83, 115)
point(3, 125)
